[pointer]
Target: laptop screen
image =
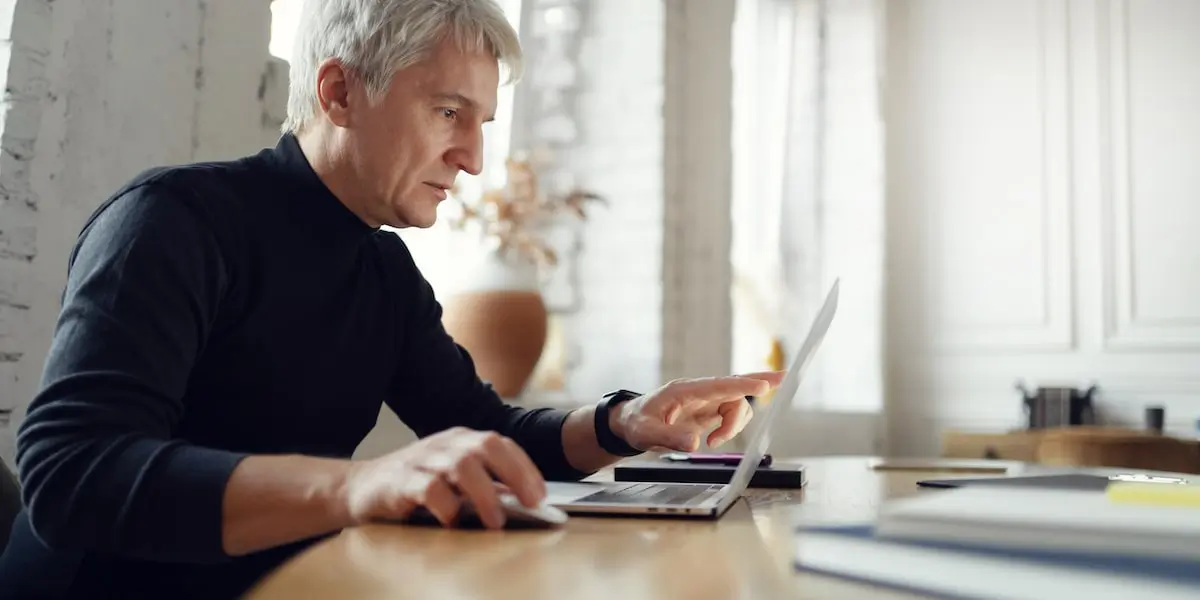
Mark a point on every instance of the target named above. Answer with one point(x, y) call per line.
point(761, 427)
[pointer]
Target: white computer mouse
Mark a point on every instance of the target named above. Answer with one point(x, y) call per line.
point(543, 513)
point(516, 515)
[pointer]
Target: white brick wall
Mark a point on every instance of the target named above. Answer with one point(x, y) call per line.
point(619, 154)
point(23, 63)
point(241, 99)
point(95, 92)
point(653, 113)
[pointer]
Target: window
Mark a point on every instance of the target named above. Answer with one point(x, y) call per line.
point(808, 202)
point(762, 52)
point(436, 249)
point(285, 18)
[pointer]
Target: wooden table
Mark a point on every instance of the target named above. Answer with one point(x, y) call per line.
point(745, 554)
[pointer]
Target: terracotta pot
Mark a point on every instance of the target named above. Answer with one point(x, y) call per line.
point(496, 312)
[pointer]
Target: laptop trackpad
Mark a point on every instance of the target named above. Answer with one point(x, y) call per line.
point(561, 492)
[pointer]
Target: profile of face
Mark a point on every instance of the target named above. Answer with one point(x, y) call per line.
point(407, 148)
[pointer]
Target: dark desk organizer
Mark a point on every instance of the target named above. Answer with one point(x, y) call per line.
point(1049, 407)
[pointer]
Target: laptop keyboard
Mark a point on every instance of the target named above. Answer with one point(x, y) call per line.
point(654, 493)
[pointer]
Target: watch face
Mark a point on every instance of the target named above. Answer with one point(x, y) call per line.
point(622, 395)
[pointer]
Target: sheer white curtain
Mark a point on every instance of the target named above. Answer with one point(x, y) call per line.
point(809, 191)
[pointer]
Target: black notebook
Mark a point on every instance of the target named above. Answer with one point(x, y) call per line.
point(660, 471)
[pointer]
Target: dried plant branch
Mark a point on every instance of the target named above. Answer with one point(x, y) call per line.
point(515, 215)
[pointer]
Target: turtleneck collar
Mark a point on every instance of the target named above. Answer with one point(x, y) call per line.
point(288, 157)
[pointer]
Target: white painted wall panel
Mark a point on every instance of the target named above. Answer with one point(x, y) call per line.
point(978, 157)
point(1043, 201)
point(1152, 193)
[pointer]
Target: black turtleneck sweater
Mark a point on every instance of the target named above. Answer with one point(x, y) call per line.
point(214, 311)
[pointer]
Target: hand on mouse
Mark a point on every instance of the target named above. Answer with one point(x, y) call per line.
point(442, 471)
point(676, 415)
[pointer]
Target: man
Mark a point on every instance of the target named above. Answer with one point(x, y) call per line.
point(229, 332)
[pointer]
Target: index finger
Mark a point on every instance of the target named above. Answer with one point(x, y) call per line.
point(513, 467)
point(774, 378)
point(723, 388)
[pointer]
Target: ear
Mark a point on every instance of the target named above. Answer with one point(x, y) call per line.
point(333, 91)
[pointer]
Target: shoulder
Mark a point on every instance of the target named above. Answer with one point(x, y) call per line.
point(198, 199)
point(204, 190)
point(183, 220)
point(182, 227)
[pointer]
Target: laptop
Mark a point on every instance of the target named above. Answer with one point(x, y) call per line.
point(692, 499)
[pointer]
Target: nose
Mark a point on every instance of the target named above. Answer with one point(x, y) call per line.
point(467, 154)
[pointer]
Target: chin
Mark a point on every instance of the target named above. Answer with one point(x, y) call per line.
point(420, 221)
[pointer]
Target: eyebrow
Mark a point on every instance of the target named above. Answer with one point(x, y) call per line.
point(463, 101)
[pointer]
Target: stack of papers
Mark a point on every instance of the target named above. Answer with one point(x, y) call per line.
point(1066, 520)
point(1016, 543)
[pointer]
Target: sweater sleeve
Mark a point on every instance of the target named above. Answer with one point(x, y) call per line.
point(100, 467)
point(437, 388)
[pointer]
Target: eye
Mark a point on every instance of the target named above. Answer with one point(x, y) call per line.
point(449, 113)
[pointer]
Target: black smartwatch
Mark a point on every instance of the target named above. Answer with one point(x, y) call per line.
point(609, 441)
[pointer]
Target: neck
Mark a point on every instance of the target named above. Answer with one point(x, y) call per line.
point(332, 164)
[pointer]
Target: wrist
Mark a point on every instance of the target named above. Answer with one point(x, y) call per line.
point(610, 424)
point(331, 492)
point(274, 500)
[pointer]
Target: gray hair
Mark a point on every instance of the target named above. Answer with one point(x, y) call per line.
point(377, 38)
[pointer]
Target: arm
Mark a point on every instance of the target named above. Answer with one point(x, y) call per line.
point(579, 440)
point(438, 388)
point(274, 500)
point(100, 467)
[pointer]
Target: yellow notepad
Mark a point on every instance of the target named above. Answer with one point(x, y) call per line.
point(1154, 494)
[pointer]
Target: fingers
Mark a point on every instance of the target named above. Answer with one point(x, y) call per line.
point(462, 465)
point(734, 417)
point(731, 418)
point(440, 473)
point(440, 499)
point(722, 388)
point(400, 506)
point(773, 378)
point(513, 467)
point(473, 480)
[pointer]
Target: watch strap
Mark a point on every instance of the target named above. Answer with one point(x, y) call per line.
point(609, 441)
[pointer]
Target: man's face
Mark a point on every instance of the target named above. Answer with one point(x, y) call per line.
point(409, 147)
